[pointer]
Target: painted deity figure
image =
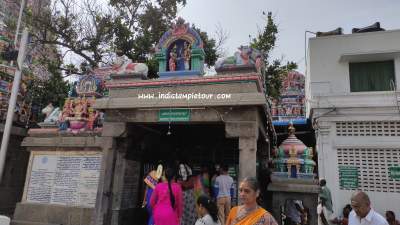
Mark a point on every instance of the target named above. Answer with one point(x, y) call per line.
point(68, 108)
point(180, 58)
point(172, 61)
point(93, 115)
point(187, 55)
point(78, 109)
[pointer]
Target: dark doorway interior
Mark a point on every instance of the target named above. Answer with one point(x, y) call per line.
point(199, 145)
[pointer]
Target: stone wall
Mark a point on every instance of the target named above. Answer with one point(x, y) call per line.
point(12, 184)
point(294, 190)
point(29, 213)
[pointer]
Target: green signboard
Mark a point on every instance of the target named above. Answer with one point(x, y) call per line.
point(394, 172)
point(173, 115)
point(348, 177)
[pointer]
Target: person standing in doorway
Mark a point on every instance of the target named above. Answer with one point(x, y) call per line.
point(362, 212)
point(187, 182)
point(223, 188)
point(166, 200)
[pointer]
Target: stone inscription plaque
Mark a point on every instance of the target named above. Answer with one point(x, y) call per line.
point(69, 179)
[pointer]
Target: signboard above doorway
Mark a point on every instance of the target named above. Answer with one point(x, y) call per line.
point(174, 115)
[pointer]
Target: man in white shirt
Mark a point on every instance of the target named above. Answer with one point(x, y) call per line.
point(223, 185)
point(362, 213)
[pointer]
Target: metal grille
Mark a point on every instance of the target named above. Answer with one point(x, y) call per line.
point(368, 128)
point(373, 167)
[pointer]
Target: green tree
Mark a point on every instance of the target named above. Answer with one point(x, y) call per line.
point(92, 30)
point(139, 24)
point(210, 48)
point(82, 27)
point(274, 70)
point(275, 73)
point(41, 91)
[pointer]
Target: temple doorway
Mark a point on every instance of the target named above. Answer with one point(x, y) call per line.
point(203, 147)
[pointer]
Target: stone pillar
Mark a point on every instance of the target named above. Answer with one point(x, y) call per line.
point(323, 146)
point(247, 157)
point(103, 197)
point(162, 60)
point(198, 59)
point(103, 211)
point(247, 132)
point(118, 184)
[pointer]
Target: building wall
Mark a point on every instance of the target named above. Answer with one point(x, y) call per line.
point(329, 58)
point(372, 162)
point(360, 129)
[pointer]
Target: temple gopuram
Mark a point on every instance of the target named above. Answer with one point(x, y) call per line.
point(291, 104)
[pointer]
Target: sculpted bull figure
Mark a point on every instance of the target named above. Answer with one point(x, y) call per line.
point(123, 65)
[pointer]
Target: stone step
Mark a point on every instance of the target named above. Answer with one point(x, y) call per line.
point(23, 222)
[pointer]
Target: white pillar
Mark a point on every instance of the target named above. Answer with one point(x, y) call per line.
point(12, 102)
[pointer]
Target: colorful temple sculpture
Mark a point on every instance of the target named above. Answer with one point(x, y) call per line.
point(123, 66)
point(180, 52)
point(291, 104)
point(77, 114)
point(294, 159)
point(22, 108)
point(294, 182)
point(247, 57)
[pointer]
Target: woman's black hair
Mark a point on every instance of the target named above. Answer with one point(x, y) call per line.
point(209, 205)
point(170, 174)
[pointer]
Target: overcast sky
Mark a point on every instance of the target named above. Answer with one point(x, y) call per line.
point(241, 18)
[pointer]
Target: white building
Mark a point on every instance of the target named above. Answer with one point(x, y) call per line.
point(351, 87)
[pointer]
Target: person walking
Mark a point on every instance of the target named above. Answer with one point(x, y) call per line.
point(249, 213)
point(223, 188)
point(166, 201)
point(207, 211)
point(325, 209)
point(362, 212)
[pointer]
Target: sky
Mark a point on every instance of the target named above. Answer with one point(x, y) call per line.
point(241, 18)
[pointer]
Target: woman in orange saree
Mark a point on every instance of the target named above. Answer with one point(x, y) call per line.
point(250, 213)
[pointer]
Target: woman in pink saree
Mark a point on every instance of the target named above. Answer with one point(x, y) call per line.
point(166, 201)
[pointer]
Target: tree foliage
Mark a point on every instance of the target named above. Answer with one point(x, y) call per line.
point(210, 48)
point(82, 27)
point(275, 71)
point(93, 31)
point(43, 91)
point(139, 24)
